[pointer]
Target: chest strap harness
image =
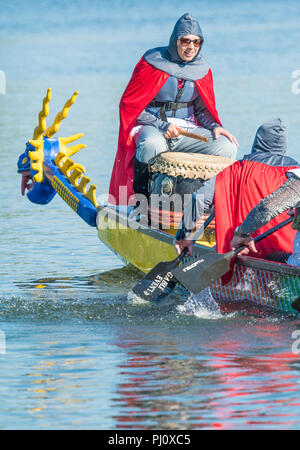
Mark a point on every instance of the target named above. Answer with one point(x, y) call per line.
point(170, 106)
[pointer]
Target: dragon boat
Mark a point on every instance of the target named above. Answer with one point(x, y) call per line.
point(141, 238)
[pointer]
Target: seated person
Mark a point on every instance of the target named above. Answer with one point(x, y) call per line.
point(171, 86)
point(238, 188)
point(286, 197)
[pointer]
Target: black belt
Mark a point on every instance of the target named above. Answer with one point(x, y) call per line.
point(169, 106)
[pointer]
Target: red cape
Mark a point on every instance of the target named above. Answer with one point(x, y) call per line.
point(145, 83)
point(238, 189)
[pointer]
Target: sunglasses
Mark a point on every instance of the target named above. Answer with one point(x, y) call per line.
point(185, 42)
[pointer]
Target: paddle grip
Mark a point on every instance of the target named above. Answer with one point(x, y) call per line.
point(196, 235)
point(182, 254)
point(266, 233)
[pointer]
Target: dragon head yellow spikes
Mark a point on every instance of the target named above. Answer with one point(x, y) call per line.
point(66, 152)
point(73, 171)
point(60, 116)
point(37, 156)
point(39, 130)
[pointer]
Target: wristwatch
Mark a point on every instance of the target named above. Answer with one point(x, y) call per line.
point(239, 233)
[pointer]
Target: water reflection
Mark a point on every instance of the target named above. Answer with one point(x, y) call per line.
point(167, 388)
point(161, 387)
point(142, 368)
point(56, 382)
point(112, 364)
point(115, 280)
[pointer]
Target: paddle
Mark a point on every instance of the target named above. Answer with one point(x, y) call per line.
point(199, 274)
point(160, 282)
point(296, 304)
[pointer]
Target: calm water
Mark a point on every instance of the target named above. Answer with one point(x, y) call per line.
point(78, 355)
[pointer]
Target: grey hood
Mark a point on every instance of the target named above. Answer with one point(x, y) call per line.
point(270, 145)
point(167, 58)
point(271, 137)
point(187, 24)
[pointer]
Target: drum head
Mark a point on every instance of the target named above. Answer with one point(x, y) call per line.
point(190, 165)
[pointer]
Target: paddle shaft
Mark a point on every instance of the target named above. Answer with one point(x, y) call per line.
point(201, 230)
point(192, 135)
point(267, 233)
point(272, 230)
point(197, 234)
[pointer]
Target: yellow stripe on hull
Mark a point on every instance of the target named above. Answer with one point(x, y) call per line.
point(142, 248)
point(139, 249)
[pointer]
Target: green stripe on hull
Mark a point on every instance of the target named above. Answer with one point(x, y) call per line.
point(290, 291)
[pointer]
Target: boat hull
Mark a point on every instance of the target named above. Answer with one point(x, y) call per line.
point(268, 284)
point(264, 283)
point(139, 245)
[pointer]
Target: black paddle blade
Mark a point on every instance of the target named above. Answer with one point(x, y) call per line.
point(197, 275)
point(158, 283)
point(296, 304)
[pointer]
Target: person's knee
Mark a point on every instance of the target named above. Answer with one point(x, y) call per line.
point(226, 148)
point(230, 150)
point(149, 147)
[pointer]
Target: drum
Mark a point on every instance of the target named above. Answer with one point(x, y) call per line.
point(175, 176)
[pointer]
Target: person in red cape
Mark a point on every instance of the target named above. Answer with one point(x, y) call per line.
point(171, 86)
point(238, 188)
point(286, 197)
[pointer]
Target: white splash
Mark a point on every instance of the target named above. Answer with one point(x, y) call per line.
point(202, 305)
point(134, 299)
